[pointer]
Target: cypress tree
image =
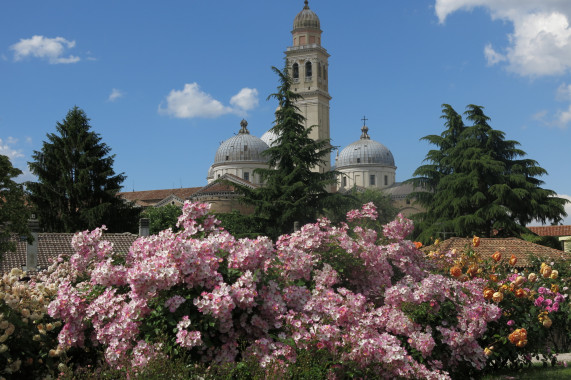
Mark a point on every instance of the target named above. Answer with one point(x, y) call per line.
point(77, 185)
point(478, 183)
point(14, 213)
point(293, 190)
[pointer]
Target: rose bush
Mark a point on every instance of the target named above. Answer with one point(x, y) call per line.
point(536, 313)
point(369, 301)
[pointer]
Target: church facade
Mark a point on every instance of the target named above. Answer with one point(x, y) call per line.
point(365, 163)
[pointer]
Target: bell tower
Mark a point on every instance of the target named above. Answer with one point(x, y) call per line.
point(307, 63)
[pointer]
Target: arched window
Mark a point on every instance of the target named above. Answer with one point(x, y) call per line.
point(308, 69)
point(324, 73)
point(319, 70)
point(295, 69)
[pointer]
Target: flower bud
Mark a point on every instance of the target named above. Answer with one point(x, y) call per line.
point(497, 256)
point(476, 241)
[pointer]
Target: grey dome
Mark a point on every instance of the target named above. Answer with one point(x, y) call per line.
point(365, 152)
point(241, 147)
point(269, 138)
point(306, 19)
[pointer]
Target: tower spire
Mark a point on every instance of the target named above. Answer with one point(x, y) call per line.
point(306, 6)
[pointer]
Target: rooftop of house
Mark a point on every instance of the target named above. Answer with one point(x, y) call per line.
point(506, 246)
point(51, 245)
point(551, 230)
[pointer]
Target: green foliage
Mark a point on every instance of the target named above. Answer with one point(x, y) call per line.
point(292, 190)
point(77, 186)
point(14, 213)
point(478, 183)
point(241, 226)
point(162, 218)
point(547, 241)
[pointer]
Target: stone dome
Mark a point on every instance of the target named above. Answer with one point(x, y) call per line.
point(306, 19)
point(365, 152)
point(241, 147)
point(269, 138)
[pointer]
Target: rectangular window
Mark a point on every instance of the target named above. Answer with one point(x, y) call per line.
point(372, 180)
point(247, 176)
point(344, 181)
point(386, 180)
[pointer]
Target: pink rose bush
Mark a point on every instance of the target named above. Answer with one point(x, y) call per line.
point(335, 289)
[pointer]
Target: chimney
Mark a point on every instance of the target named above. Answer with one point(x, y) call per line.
point(32, 249)
point(144, 227)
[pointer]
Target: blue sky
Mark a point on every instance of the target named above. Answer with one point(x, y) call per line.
point(164, 82)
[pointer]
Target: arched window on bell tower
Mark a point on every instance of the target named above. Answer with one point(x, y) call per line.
point(308, 73)
point(319, 70)
point(295, 69)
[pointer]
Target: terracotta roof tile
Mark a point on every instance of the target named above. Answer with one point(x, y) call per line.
point(507, 246)
point(51, 245)
point(150, 197)
point(551, 230)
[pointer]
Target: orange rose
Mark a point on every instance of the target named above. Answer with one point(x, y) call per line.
point(494, 278)
point(513, 260)
point(546, 272)
point(488, 293)
point(476, 241)
point(497, 297)
point(417, 244)
point(520, 293)
point(497, 256)
point(456, 271)
point(521, 343)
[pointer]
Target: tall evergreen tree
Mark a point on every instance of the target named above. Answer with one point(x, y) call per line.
point(14, 212)
point(292, 191)
point(77, 186)
point(477, 182)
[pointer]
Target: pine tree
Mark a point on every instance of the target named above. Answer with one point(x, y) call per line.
point(292, 191)
point(77, 185)
point(478, 183)
point(14, 213)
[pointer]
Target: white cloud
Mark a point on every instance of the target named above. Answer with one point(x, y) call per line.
point(191, 102)
point(7, 150)
point(246, 99)
point(492, 56)
point(541, 40)
point(563, 117)
point(50, 49)
point(115, 94)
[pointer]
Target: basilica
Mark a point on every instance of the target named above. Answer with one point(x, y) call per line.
point(363, 164)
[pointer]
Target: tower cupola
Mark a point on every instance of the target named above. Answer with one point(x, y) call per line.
point(306, 28)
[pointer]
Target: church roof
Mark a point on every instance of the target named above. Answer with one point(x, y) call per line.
point(551, 230)
point(241, 147)
point(306, 19)
point(151, 197)
point(365, 152)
